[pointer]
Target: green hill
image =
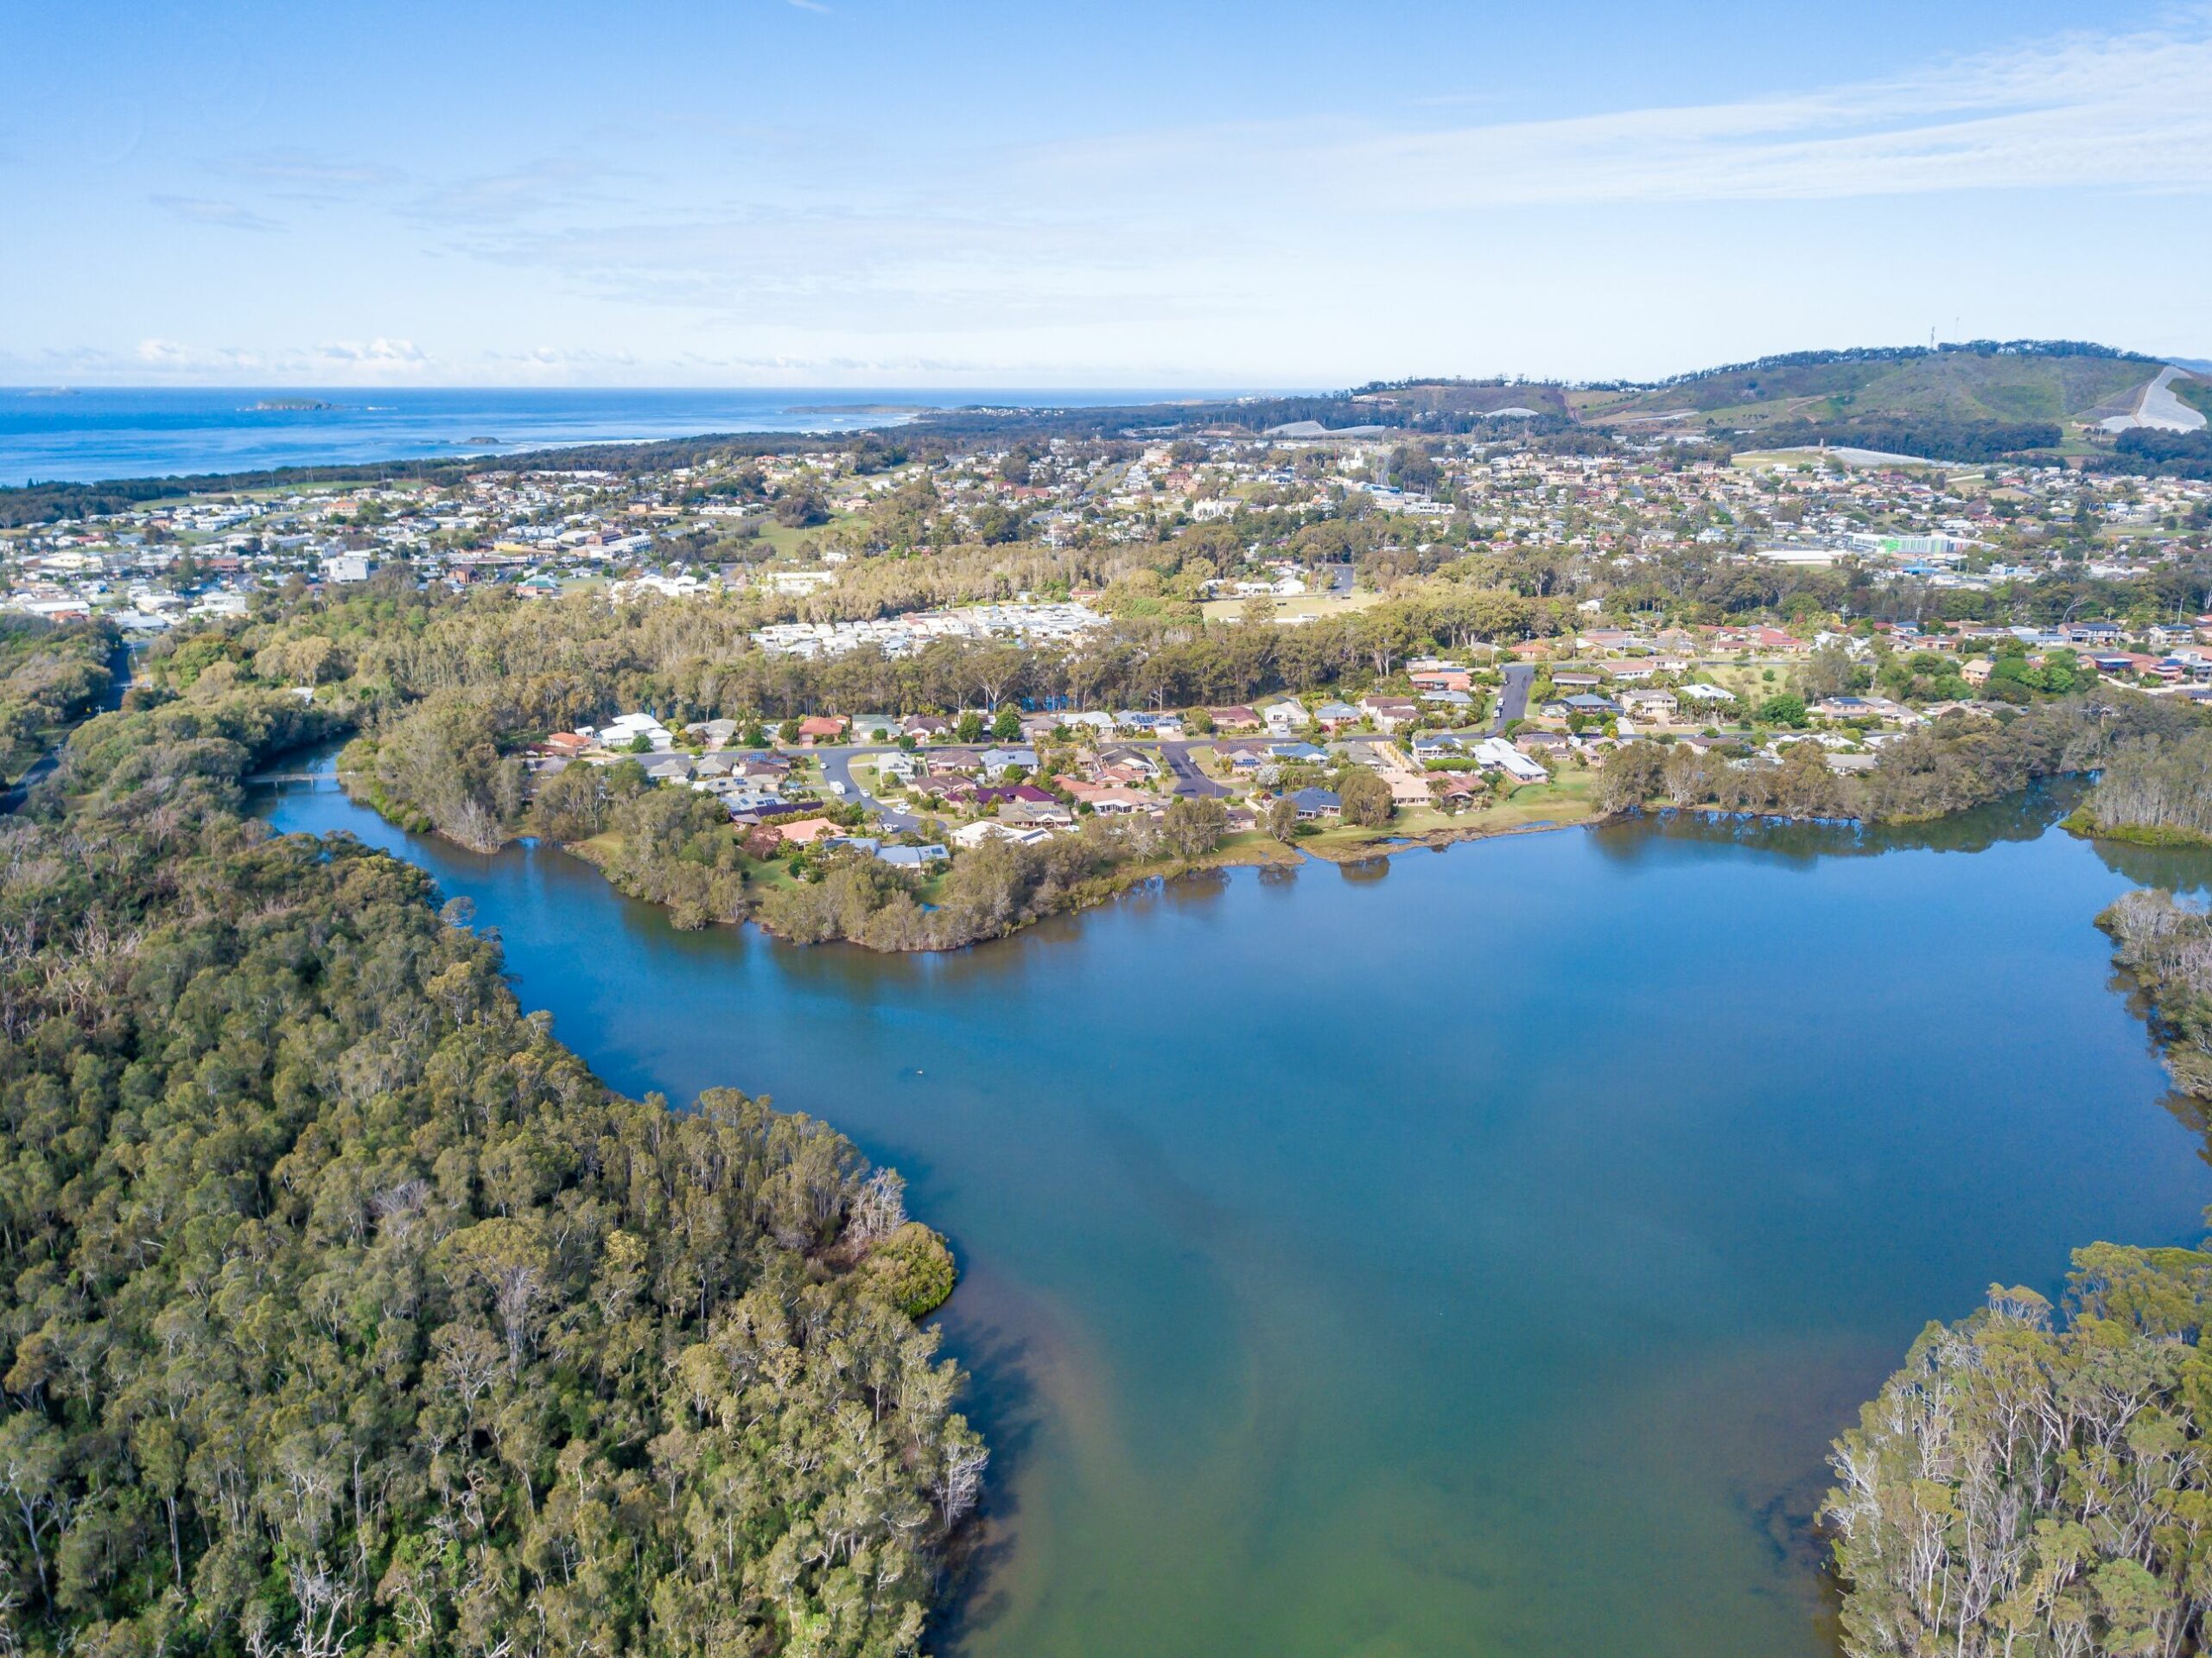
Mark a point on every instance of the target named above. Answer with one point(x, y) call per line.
point(1968, 401)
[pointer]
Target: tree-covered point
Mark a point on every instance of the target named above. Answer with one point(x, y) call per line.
point(2153, 792)
point(2029, 1486)
point(342, 1310)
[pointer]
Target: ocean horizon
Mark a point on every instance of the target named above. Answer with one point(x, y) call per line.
point(65, 435)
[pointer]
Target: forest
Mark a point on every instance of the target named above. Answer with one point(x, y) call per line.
point(342, 1309)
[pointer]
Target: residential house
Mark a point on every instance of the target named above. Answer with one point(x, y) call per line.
point(1118, 802)
point(1388, 713)
point(1128, 765)
point(715, 733)
point(1315, 804)
point(1594, 707)
point(974, 835)
point(1495, 753)
point(911, 857)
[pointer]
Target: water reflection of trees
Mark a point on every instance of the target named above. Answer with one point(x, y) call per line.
point(2176, 868)
point(2023, 816)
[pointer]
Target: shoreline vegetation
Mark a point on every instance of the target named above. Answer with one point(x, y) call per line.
point(2038, 1479)
point(337, 1297)
point(2153, 793)
point(1957, 765)
point(448, 695)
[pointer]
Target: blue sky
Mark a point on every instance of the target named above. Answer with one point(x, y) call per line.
point(887, 193)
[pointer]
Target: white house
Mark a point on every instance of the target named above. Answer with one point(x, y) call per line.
point(1497, 752)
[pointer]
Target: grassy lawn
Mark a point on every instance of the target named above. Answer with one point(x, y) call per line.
point(785, 540)
point(1307, 607)
point(1565, 799)
point(1809, 457)
point(1746, 679)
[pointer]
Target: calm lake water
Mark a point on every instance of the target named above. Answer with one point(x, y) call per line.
point(1472, 1257)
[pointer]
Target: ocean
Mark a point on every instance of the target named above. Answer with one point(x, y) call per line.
point(84, 436)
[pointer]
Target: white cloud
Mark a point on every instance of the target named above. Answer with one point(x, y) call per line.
point(338, 362)
point(226, 215)
point(2123, 111)
point(379, 352)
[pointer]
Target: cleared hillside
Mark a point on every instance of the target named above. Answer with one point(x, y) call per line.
point(2061, 385)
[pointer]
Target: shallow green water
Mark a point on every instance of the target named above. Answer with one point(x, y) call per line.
point(1471, 1256)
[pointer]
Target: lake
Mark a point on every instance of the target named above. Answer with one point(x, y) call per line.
point(1470, 1254)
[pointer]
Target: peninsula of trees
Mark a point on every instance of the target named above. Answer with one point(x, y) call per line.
point(342, 1309)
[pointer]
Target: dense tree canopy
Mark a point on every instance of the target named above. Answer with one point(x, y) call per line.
point(2153, 791)
point(2039, 1488)
point(341, 1309)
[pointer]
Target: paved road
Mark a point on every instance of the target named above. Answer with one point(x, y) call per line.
point(1189, 780)
point(1513, 700)
point(2162, 411)
point(838, 767)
